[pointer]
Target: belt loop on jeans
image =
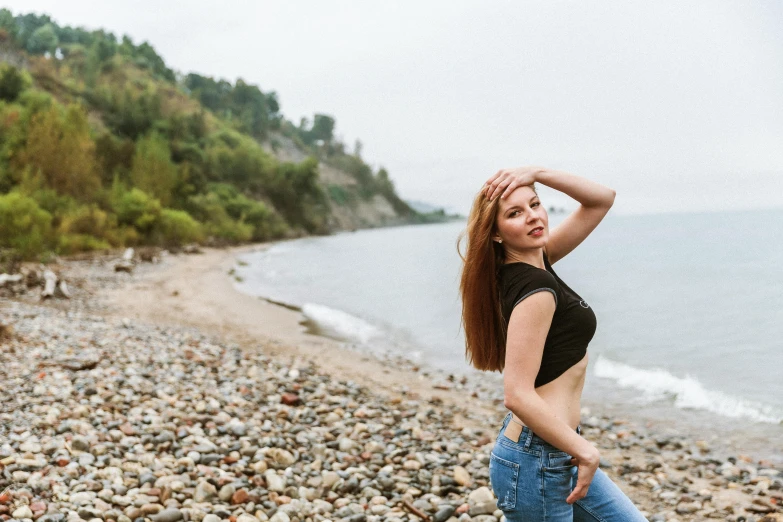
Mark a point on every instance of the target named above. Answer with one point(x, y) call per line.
point(529, 437)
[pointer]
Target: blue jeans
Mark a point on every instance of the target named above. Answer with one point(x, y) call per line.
point(532, 479)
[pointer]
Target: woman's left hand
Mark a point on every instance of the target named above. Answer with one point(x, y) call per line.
point(505, 181)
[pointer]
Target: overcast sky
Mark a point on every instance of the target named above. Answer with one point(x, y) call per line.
point(676, 105)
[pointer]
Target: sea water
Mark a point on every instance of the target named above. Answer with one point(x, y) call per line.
point(689, 309)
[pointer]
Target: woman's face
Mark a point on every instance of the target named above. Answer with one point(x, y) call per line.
point(519, 214)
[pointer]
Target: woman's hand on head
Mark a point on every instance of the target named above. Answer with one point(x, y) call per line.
point(505, 181)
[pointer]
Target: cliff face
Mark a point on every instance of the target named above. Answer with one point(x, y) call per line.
point(352, 214)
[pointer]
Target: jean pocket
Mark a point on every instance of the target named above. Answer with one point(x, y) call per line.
point(503, 477)
point(559, 461)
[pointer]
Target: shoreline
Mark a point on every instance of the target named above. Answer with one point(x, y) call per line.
point(670, 477)
point(725, 435)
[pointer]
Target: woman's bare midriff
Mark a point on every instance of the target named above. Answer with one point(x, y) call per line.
point(564, 394)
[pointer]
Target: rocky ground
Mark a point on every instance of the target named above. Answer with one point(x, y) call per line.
point(104, 418)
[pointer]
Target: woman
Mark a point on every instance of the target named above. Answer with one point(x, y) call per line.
point(522, 319)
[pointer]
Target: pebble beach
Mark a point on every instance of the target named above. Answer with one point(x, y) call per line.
point(163, 394)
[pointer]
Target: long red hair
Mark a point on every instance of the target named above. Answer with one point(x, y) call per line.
point(485, 328)
point(482, 318)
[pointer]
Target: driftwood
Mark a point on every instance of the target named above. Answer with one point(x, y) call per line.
point(126, 264)
point(54, 286)
point(50, 284)
point(413, 509)
point(8, 278)
point(71, 364)
point(16, 283)
point(123, 266)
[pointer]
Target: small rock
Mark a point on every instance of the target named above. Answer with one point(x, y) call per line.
point(482, 494)
point(684, 508)
point(79, 443)
point(274, 482)
point(167, 515)
point(280, 516)
point(226, 492)
point(443, 514)
point(240, 497)
point(204, 491)
point(23, 512)
point(461, 476)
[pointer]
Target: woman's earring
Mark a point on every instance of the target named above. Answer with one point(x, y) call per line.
point(499, 240)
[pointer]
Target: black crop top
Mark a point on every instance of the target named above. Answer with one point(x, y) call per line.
point(573, 324)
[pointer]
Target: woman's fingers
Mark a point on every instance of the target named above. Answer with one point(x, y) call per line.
point(498, 185)
point(492, 178)
point(582, 484)
point(579, 492)
point(503, 183)
point(493, 181)
point(509, 189)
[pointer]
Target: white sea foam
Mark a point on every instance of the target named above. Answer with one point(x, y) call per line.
point(687, 392)
point(341, 324)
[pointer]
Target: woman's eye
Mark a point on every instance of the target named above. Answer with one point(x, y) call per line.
point(513, 213)
point(535, 204)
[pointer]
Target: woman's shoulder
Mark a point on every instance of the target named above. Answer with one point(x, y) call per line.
point(523, 274)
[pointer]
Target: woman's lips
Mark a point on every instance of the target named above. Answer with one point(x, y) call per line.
point(536, 231)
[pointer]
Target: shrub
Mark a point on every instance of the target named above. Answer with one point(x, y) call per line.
point(229, 230)
point(209, 209)
point(176, 227)
point(137, 209)
point(71, 243)
point(266, 222)
point(24, 226)
point(341, 196)
point(12, 82)
point(87, 220)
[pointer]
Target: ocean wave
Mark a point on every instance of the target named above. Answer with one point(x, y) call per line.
point(687, 392)
point(340, 324)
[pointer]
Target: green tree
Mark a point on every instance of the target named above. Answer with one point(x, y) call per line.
point(74, 35)
point(323, 128)
point(60, 147)
point(12, 82)
point(8, 29)
point(146, 57)
point(152, 170)
point(128, 113)
point(102, 50)
point(298, 196)
point(114, 155)
point(43, 39)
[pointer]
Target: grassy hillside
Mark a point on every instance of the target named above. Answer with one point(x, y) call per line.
point(103, 145)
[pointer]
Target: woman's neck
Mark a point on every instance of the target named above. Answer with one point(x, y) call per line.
point(533, 257)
